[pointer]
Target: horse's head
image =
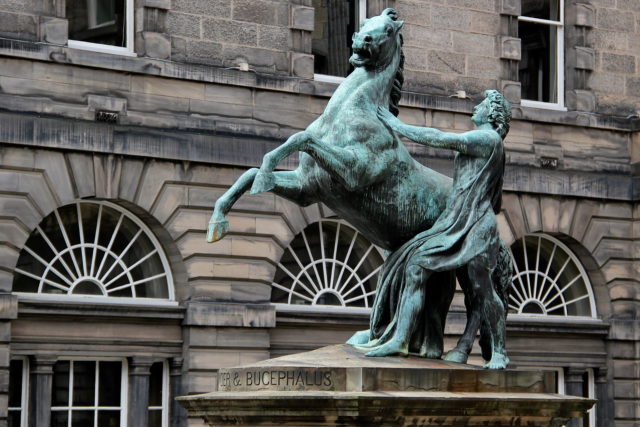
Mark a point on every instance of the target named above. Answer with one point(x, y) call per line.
point(377, 41)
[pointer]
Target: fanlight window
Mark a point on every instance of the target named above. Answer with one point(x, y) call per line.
point(549, 279)
point(93, 249)
point(328, 263)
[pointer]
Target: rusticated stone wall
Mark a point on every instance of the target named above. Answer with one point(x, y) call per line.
point(449, 46)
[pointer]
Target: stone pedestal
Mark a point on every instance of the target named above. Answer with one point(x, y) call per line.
point(337, 385)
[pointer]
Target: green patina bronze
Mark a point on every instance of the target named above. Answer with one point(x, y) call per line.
point(434, 228)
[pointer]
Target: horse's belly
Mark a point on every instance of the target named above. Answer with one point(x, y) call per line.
point(389, 214)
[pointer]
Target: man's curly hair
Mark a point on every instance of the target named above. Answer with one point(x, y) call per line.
point(499, 113)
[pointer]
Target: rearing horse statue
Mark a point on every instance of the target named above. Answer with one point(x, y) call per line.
point(359, 168)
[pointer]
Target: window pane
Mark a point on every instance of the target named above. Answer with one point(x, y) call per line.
point(109, 419)
point(155, 385)
point(335, 23)
point(109, 389)
point(59, 418)
point(97, 21)
point(15, 383)
point(82, 418)
point(60, 384)
point(84, 383)
point(155, 418)
point(14, 418)
point(543, 9)
point(538, 66)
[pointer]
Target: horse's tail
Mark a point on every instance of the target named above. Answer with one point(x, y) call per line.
point(501, 279)
point(398, 80)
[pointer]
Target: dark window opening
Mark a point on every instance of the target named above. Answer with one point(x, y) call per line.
point(335, 23)
point(541, 9)
point(156, 394)
point(540, 31)
point(97, 21)
point(16, 389)
point(538, 66)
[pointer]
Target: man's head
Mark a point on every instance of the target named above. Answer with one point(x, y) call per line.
point(493, 109)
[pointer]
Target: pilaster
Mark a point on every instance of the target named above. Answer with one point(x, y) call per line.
point(139, 373)
point(41, 384)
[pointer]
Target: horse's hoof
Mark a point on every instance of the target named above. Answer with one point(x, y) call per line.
point(432, 354)
point(498, 361)
point(217, 230)
point(263, 182)
point(456, 356)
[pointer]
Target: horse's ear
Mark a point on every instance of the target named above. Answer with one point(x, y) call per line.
point(391, 13)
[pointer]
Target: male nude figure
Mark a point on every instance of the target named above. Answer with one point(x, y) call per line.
point(465, 237)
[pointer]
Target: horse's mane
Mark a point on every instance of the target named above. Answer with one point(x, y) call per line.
point(396, 90)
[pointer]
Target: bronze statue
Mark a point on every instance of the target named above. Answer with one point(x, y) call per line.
point(464, 238)
point(354, 163)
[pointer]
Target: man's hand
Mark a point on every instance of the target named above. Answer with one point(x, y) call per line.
point(390, 120)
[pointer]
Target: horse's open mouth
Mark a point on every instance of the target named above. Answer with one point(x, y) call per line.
point(360, 55)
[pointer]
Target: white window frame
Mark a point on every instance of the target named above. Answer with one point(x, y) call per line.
point(165, 395)
point(591, 387)
point(124, 388)
point(114, 50)
point(362, 15)
point(24, 393)
point(319, 263)
point(559, 105)
point(582, 273)
point(99, 299)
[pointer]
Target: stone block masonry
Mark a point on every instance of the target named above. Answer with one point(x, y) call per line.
point(238, 32)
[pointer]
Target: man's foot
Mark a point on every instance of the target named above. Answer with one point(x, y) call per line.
point(263, 182)
point(498, 361)
point(388, 349)
point(457, 356)
point(218, 228)
point(359, 338)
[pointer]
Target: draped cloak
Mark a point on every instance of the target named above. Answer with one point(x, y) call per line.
point(466, 229)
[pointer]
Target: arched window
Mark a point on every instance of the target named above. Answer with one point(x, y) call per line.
point(93, 249)
point(328, 263)
point(549, 279)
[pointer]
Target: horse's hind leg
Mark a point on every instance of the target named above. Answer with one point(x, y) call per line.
point(287, 185)
point(440, 290)
point(461, 351)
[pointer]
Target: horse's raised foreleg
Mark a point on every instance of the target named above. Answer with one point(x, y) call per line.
point(265, 179)
point(339, 162)
point(286, 184)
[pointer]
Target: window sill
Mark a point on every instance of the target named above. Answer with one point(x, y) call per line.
point(102, 48)
point(321, 309)
point(542, 105)
point(325, 78)
point(96, 301)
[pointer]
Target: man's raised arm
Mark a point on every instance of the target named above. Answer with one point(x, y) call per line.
point(473, 143)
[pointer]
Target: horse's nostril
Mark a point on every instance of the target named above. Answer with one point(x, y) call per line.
point(368, 39)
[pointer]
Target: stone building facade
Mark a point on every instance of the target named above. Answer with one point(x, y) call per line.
point(119, 132)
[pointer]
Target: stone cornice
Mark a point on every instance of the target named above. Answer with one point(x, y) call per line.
point(40, 51)
point(40, 131)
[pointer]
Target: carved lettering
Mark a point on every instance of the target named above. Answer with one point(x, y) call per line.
point(327, 379)
point(276, 378)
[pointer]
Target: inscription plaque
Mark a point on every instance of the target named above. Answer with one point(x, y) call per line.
point(280, 378)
